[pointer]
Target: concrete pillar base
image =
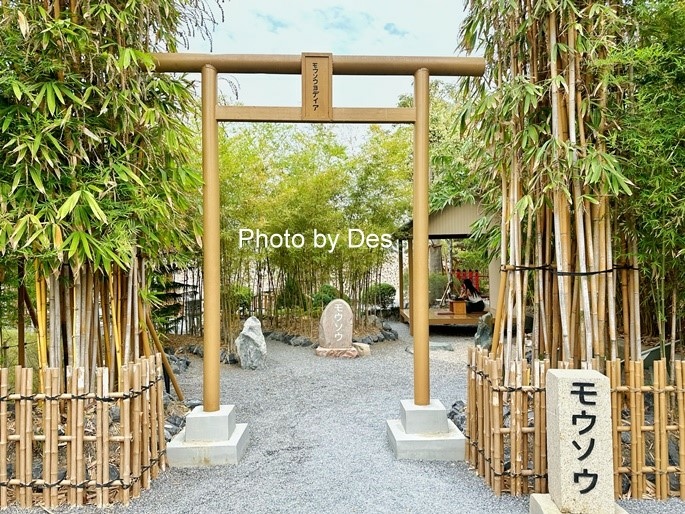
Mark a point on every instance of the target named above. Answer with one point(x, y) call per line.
point(209, 439)
point(543, 504)
point(425, 433)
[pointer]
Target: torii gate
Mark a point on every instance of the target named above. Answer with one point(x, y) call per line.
point(317, 72)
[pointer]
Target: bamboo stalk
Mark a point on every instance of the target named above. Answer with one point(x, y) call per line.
point(20, 419)
point(514, 479)
point(480, 402)
point(642, 479)
point(160, 349)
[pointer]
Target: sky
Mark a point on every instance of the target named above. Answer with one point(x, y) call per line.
point(341, 27)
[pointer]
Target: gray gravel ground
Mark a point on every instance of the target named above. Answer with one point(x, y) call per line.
point(318, 441)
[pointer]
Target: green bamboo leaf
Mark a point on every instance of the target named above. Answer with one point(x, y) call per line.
point(35, 176)
point(69, 205)
point(50, 98)
point(17, 90)
point(92, 203)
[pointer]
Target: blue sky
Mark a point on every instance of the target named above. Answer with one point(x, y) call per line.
point(346, 27)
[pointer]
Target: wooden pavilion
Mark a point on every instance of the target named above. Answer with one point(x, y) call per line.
point(452, 222)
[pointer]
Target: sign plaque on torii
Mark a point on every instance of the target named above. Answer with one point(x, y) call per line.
point(317, 70)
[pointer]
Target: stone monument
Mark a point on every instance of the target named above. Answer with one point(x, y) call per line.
point(335, 331)
point(579, 445)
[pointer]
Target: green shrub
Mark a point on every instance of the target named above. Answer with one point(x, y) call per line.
point(325, 295)
point(437, 282)
point(382, 294)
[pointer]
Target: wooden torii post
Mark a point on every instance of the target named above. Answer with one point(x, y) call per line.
point(317, 70)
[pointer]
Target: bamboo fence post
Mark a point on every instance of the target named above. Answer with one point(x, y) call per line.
point(79, 384)
point(543, 428)
point(496, 396)
point(513, 430)
point(480, 403)
point(136, 421)
point(47, 431)
point(661, 435)
point(71, 440)
point(614, 371)
point(487, 421)
point(56, 380)
point(19, 420)
point(633, 427)
point(680, 382)
point(656, 398)
point(105, 433)
point(642, 479)
point(537, 441)
point(28, 434)
point(154, 422)
point(161, 441)
point(99, 444)
point(4, 379)
point(145, 423)
point(470, 381)
point(525, 436)
point(125, 454)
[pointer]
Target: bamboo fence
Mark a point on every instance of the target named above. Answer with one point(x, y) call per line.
point(66, 447)
point(506, 427)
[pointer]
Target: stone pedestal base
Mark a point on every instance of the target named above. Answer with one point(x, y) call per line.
point(423, 432)
point(209, 439)
point(543, 504)
point(345, 353)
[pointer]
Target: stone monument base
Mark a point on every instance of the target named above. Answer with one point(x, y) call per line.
point(543, 504)
point(209, 439)
point(423, 432)
point(345, 353)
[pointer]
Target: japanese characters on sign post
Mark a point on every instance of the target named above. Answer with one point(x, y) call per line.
point(579, 449)
point(317, 87)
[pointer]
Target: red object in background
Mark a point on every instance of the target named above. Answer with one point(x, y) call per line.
point(472, 274)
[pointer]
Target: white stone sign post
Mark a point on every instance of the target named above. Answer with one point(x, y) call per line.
point(579, 445)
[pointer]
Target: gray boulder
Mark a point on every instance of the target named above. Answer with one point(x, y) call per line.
point(251, 345)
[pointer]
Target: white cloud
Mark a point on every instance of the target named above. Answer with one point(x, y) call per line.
point(345, 27)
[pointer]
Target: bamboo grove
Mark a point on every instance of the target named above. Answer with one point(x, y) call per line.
point(97, 182)
point(546, 136)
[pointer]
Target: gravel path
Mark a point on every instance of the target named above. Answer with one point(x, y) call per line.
point(318, 441)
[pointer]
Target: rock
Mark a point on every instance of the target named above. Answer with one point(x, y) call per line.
point(374, 338)
point(458, 414)
point(191, 404)
point(171, 429)
point(375, 321)
point(251, 345)
point(113, 472)
point(114, 414)
point(386, 326)
point(483, 337)
point(362, 349)
point(389, 335)
point(178, 421)
point(301, 341)
point(381, 337)
point(37, 470)
point(367, 340)
point(167, 435)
